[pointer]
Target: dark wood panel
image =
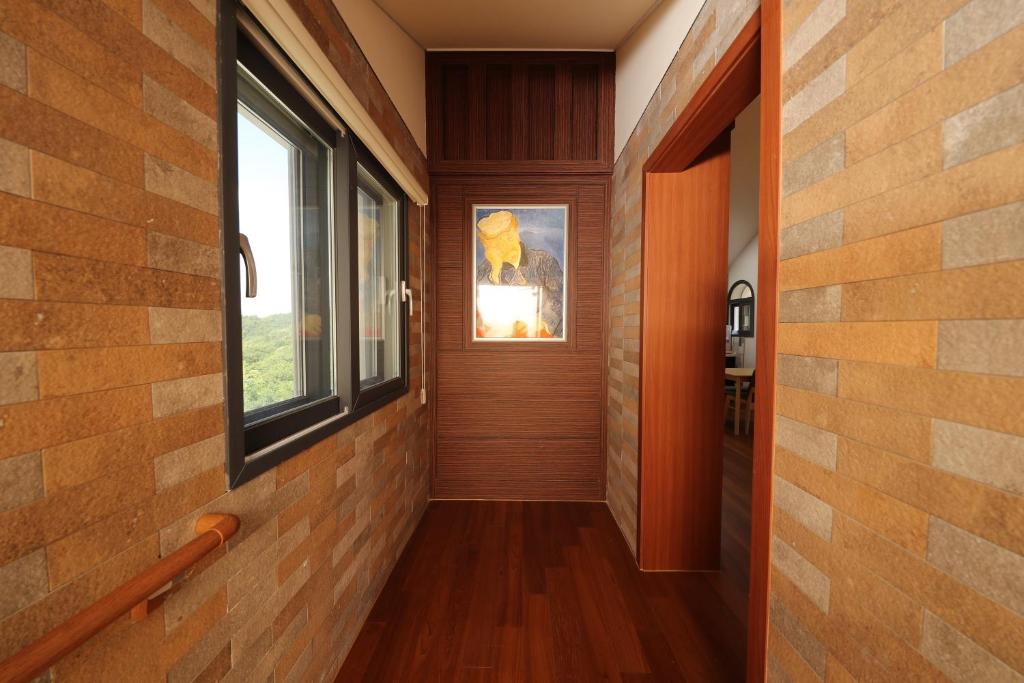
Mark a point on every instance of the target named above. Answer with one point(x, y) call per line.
point(510, 591)
point(534, 128)
point(591, 273)
point(540, 137)
point(685, 256)
point(494, 394)
point(456, 122)
point(540, 393)
point(504, 105)
point(537, 469)
point(586, 104)
point(529, 113)
point(449, 219)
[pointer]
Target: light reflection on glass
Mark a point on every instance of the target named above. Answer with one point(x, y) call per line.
point(508, 312)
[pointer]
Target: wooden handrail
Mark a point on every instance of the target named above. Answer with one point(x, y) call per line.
point(213, 531)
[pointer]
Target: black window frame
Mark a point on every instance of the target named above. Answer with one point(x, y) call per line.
point(283, 430)
point(268, 424)
point(375, 396)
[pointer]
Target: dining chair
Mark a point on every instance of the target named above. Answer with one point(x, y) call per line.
point(730, 397)
point(749, 405)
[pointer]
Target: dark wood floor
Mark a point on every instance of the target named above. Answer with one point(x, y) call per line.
point(541, 591)
point(737, 475)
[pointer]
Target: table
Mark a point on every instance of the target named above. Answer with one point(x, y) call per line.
point(737, 377)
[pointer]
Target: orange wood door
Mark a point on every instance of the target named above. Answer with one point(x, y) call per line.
point(685, 252)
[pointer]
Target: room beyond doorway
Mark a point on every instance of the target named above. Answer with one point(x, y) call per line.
point(740, 345)
point(741, 282)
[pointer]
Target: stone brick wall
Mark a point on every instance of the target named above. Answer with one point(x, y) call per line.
point(898, 526)
point(899, 517)
point(710, 36)
point(111, 420)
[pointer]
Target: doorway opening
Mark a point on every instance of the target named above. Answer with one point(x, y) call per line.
point(695, 286)
point(740, 372)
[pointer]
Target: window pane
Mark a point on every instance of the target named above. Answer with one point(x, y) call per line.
point(283, 211)
point(379, 295)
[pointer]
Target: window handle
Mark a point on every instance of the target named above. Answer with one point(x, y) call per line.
point(250, 266)
point(407, 295)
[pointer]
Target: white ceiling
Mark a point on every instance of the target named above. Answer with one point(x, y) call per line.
point(518, 24)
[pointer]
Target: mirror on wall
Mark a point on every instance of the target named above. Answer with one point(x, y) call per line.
point(741, 309)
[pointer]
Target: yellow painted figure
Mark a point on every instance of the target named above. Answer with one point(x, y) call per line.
point(499, 233)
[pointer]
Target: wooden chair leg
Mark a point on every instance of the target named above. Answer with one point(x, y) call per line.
point(750, 410)
point(738, 407)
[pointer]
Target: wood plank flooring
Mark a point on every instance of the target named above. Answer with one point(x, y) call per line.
point(543, 591)
point(737, 476)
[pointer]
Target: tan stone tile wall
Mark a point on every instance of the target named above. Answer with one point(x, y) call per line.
point(111, 379)
point(897, 548)
point(901, 212)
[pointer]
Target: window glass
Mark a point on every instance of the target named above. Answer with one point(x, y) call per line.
point(283, 181)
point(380, 293)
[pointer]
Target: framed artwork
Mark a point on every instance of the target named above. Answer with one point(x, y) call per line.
point(519, 272)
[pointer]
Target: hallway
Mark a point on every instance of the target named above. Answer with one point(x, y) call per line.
point(382, 340)
point(542, 591)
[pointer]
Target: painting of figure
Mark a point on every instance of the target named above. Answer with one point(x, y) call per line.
point(519, 272)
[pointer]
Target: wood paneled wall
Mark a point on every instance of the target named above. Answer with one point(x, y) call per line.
point(496, 112)
point(520, 421)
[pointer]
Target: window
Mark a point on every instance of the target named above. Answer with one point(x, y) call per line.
point(380, 296)
point(377, 212)
point(741, 309)
point(314, 234)
point(283, 212)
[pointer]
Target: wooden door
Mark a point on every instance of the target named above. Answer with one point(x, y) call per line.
point(685, 252)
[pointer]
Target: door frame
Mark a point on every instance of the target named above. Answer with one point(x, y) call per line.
point(752, 65)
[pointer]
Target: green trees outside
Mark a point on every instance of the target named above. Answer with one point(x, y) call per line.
point(268, 359)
